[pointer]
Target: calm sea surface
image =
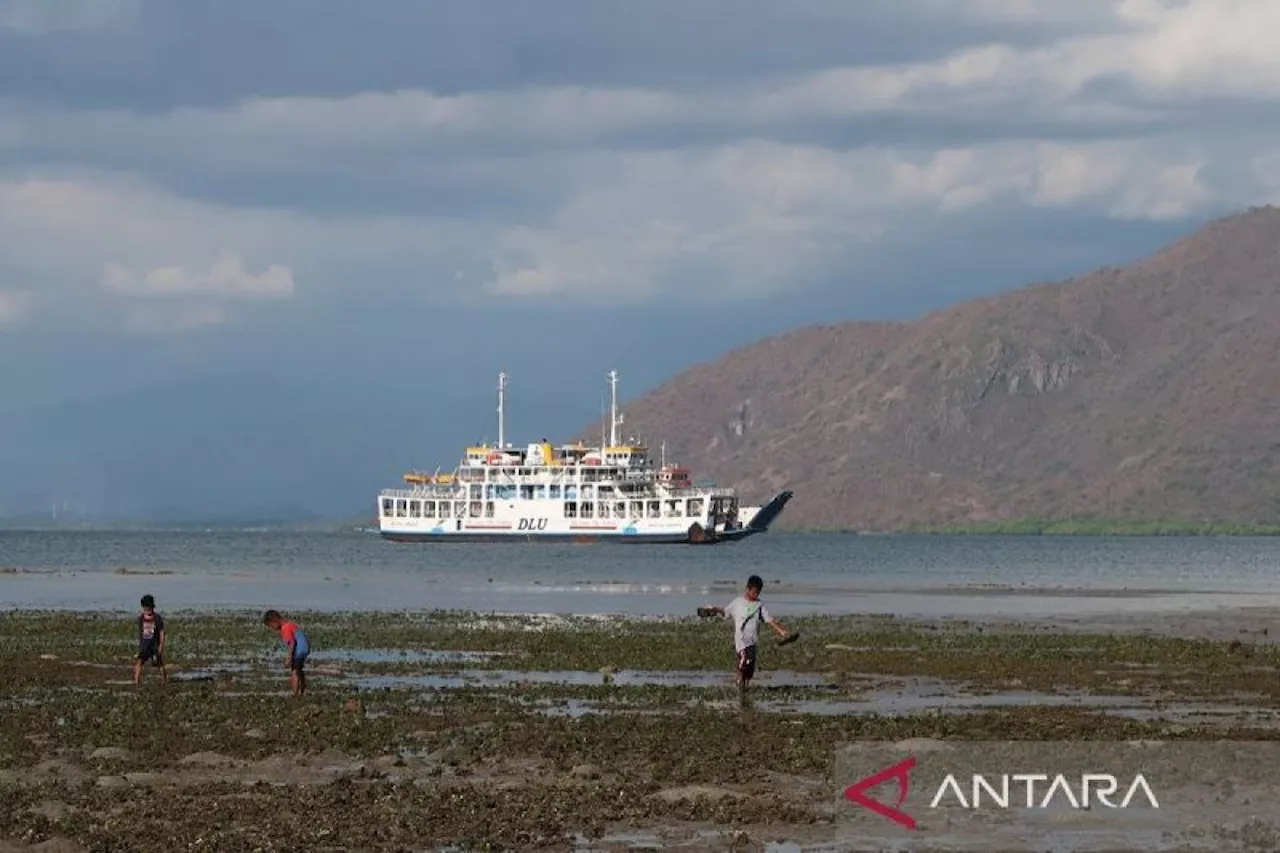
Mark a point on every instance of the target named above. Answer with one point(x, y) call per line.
point(804, 573)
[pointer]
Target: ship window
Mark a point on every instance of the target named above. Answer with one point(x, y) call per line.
point(695, 507)
point(476, 508)
point(541, 492)
point(673, 509)
point(459, 509)
point(637, 509)
point(655, 509)
point(428, 509)
point(488, 509)
point(588, 492)
point(587, 509)
point(555, 492)
point(526, 493)
point(444, 509)
point(415, 509)
point(488, 491)
point(603, 509)
point(388, 507)
point(570, 509)
point(571, 492)
point(620, 509)
point(402, 508)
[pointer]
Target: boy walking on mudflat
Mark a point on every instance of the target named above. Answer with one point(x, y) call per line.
point(747, 612)
point(150, 639)
point(298, 648)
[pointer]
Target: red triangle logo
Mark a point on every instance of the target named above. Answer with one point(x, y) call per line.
point(901, 773)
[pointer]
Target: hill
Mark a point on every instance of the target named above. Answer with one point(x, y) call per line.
point(1149, 392)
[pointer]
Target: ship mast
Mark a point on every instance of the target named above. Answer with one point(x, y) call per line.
point(613, 408)
point(502, 396)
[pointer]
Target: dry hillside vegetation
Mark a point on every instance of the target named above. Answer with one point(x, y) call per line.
point(1148, 392)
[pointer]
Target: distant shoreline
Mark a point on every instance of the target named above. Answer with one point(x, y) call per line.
point(1013, 527)
point(1064, 527)
point(1100, 527)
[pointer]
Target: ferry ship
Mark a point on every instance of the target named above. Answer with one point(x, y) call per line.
point(572, 492)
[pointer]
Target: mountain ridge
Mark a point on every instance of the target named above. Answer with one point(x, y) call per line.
point(1138, 393)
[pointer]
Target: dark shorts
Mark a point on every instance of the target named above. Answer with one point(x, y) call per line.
point(297, 661)
point(747, 661)
point(149, 650)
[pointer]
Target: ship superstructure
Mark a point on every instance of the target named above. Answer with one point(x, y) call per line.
point(612, 491)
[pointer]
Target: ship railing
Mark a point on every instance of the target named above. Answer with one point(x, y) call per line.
point(649, 490)
point(442, 491)
point(695, 491)
point(690, 492)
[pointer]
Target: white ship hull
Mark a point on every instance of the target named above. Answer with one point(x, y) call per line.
point(526, 523)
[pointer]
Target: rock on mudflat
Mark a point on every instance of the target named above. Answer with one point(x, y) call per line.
point(210, 759)
point(112, 782)
point(111, 753)
point(58, 845)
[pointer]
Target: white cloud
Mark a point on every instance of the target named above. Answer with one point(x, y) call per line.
point(1203, 47)
point(227, 277)
point(80, 233)
point(88, 237)
point(1168, 51)
point(1134, 180)
point(752, 218)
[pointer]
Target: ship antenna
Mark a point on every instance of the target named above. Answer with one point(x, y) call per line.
point(502, 395)
point(664, 454)
point(613, 408)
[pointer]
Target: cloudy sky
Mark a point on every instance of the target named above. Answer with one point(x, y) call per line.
point(396, 198)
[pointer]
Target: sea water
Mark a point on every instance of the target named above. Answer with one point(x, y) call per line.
point(803, 573)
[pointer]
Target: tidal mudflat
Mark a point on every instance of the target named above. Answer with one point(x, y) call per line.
point(457, 730)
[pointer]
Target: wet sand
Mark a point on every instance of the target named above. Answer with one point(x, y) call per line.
point(455, 730)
